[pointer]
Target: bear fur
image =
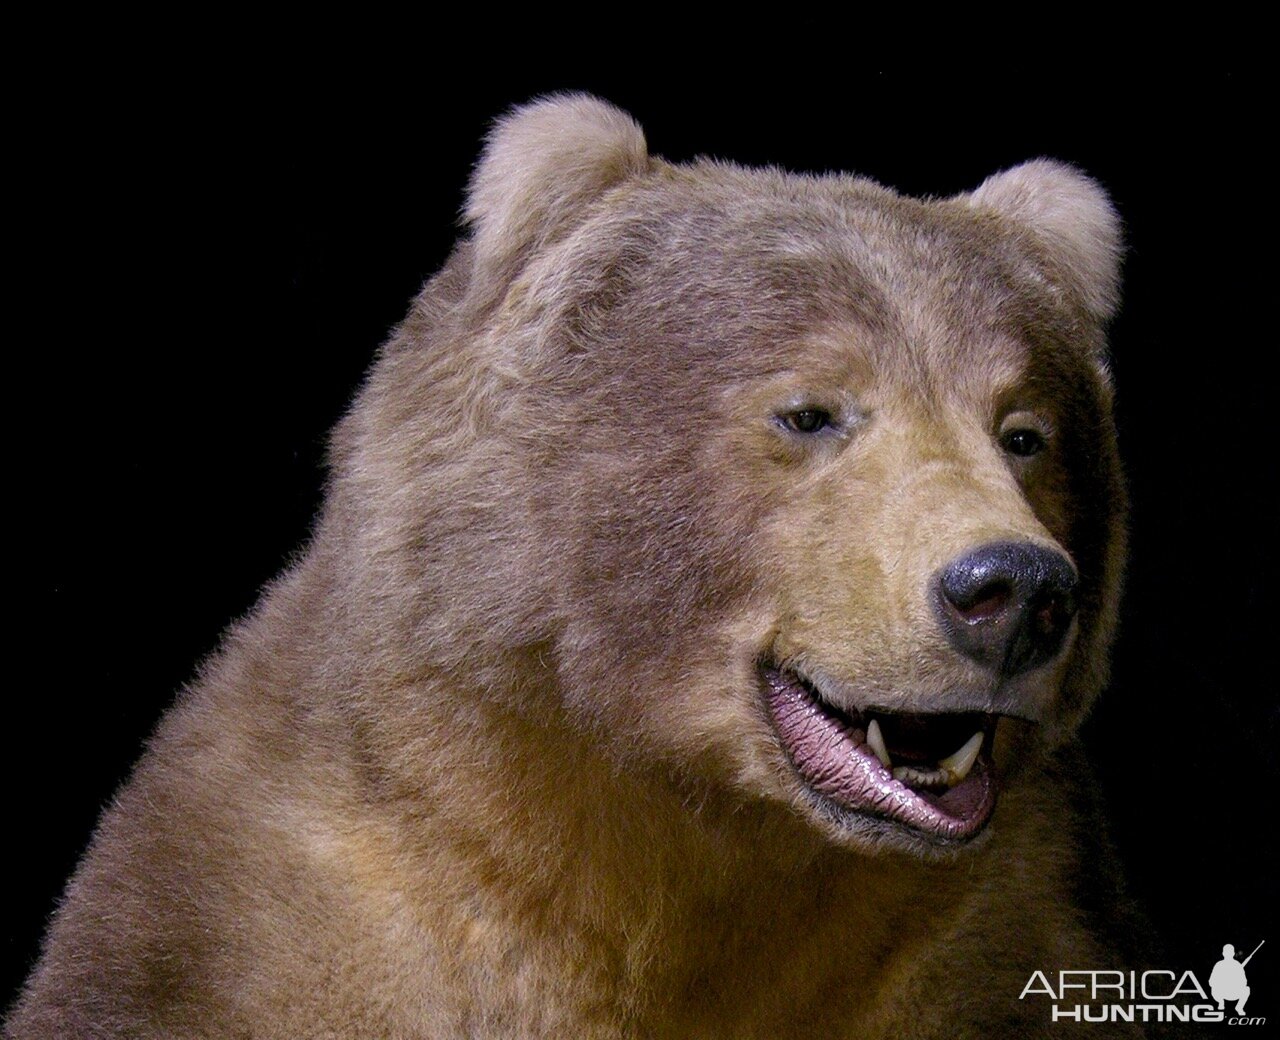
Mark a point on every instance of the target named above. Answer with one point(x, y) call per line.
point(493, 758)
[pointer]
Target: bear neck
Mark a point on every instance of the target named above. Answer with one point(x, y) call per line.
point(681, 891)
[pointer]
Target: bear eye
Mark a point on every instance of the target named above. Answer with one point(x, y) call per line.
point(1023, 442)
point(806, 420)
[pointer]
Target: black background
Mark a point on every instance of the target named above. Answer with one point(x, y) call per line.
point(214, 246)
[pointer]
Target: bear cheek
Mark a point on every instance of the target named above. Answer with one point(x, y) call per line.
point(664, 628)
point(1095, 504)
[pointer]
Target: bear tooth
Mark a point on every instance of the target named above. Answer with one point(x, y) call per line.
point(957, 766)
point(920, 777)
point(875, 740)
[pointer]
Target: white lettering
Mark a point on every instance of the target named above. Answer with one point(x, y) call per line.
point(1116, 985)
point(1193, 988)
point(1048, 990)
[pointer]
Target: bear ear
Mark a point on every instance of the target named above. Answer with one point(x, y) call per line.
point(543, 164)
point(1073, 220)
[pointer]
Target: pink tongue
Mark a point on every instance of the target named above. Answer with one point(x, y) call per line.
point(830, 755)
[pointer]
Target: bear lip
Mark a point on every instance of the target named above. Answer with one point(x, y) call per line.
point(827, 747)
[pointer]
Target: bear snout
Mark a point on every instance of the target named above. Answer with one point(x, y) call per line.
point(1007, 605)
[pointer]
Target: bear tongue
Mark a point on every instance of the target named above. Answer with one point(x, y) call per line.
point(830, 753)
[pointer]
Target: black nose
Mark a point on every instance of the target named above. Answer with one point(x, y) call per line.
point(1008, 604)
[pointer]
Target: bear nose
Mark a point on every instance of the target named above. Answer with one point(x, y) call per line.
point(1007, 605)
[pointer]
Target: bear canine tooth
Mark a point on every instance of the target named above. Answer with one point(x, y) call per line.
point(875, 740)
point(957, 766)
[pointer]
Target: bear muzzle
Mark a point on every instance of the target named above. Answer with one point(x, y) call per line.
point(1006, 606)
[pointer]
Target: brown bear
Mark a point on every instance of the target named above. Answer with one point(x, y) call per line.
point(715, 569)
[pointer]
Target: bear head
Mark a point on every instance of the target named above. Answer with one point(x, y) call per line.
point(785, 487)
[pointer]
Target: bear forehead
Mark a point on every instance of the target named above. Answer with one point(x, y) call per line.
point(721, 263)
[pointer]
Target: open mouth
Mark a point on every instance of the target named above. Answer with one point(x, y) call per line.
point(929, 772)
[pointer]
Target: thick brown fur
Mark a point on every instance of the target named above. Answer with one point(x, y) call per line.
point(492, 759)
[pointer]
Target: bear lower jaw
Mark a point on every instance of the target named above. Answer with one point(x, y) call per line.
point(909, 783)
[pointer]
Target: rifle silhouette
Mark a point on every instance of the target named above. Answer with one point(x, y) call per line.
point(1250, 957)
